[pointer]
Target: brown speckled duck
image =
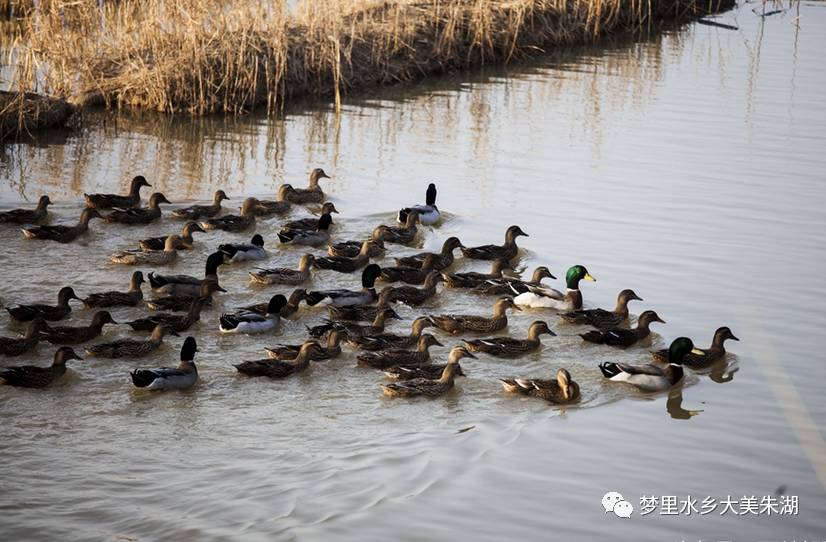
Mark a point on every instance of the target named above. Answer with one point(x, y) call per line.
point(27, 313)
point(515, 286)
point(79, 334)
point(285, 275)
point(409, 275)
point(350, 249)
point(184, 302)
point(410, 295)
point(426, 387)
point(509, 346)
point(383, 341)
point(130, 347)
point(601, 318)
point(402, 235)
point(430, 371)
point(15, 346)
point(184, 243)
point(281, 204)
point(313, 192)
point(38, 215)
point(702, 358)
point(442, 260)
point(343, 264)
point(108, 201)
point(311, 223)
point(194, 212)
point(115, 298)
point(274, 368)
point(30, 376)
point(234, 223)
point(399, 356)
point(62, 234)
point(624, 337)
point(506, 251)
point(561, 390)
point(460, 323)
point(138, 215)
point(473, 279)
point(149, 257)
point(288, 352)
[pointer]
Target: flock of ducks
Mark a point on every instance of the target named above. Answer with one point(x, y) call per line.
point(357, 317)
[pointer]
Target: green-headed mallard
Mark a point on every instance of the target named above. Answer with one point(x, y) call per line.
point(515, 286)
point(460, 323)
point(185, 239)
point(38, 215)
point(430, 371)
point(108, 201)
point(288, 352)
point(117, 299)
point(493, 252)
point(561, 390)
point(289, 308)
point(285, 275)
point(544, 297)
point(508, 346)
point(281, 204)
point(385, 341)
point(247, 321)
point(311, 223)
point(241, 252)
point(427, 387)
point(62, 234)
point(77, 335)
point(442, 260)
point(409, 275)
point(650, 377)
point(343, 298)
point(601, 318)
point(428, 213)
point(177, 303)
point(410, 295)
point(176, 322)
point(130, 347)
point(398, 356)
point(473, 279)
point(149, 257)
point(234, 223)
point(313, 192)
point(175, 285)
point(353, 329)
point(702, 358)
point(30, 376)
point(403, 235)
point(27, 313)
point(275, 368)
point(15, 346)
point(194, 212)
point(184, 376)
point(138, 215)
point(343, 264)
point(621, 336)
point(310, 238)
point(350, 249)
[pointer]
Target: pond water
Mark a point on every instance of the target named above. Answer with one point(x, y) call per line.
point(687, 166)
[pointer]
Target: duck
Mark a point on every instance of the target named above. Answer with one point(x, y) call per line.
point(281, 204)
point(623, 337)
point(473, 279)
point(545, 297)
point(601, 318)
point(311, 223)
point(288, 352)
point(410, 295)
point(15, 346)
point(459, 323)
point(38, 215)
point(109, 201)
point(245, 321)
point(353, 313)
point(138, 215)
point(344, 298)
point(509, 346)
point(175, 322)
point(430, 371)
point(185, 239)
point(311, 238)
point(428, 213)
point(51, 313)
point(240, 252)
point(285, 275)
point(385, 341)
point(515, 286)
point(130, 298)
point(194, 212)
point(177, 303)
point(290, 308)
point(62, 234)
point(30, 376)
point(149, 257)
point(182, 285)
point(702, 358)
point(397, 356)
point(77, 335)
point(350, 249)
point(234, 223)
point(275, 368)
point(353, 329)
point(491, 252)
point(409, 275)
point(441, 261)
point(426, 387)
point(342, 264)
point(561, 390)
point(313, 192)
point(648, 377)
point(184, 376)
point(403, 235)
point(132, 348)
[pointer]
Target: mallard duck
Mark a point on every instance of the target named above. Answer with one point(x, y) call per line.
point(234, 223)
point(353, 329)
point(650, 377)
point(410, 295)
point(62, 234)
point(290, 308)
point(288, 352)
point(621, 336)
point(129, 347)
point(137, 215)
point(30, 376)
point(311, 223)
point(343, 264)
point(117, 299)
point(442, 260)
point(457, 323)
point(246, 321)
point(345, 298)
point(149, 257)
point(385, 341)
point(15, 346)
point(38, 215)
point(428, 213)
point(473, 279)
point(285, 275)
point(430, 371)
point(427, 387)
point(194, 212)
point(398, 356)
point(354, 313)
point(185, 285)
point(108, 201)
point(492, 252)
point(176, 322)
point(409, 275)
point(167, 378)
point(281, 204)
point(702, 358)
point(313, 192)
point(544, 297)
point(275, 368)
point(508, 346)
point(559, 391)
point(177, 303)
point(351, 249)
point(403, 235)
point(77, 335)
point(239, 252)
point(601, 318)
point(311, 238)
point(184, 243)
point(515, 286)
point(27, 313)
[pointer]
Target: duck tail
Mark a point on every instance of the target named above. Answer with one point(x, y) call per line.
point(142, 378)
point(609, 369)
point(314, 298)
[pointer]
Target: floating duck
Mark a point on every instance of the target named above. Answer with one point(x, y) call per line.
point(313, 192)
point(311, 238)
point(473, 279)
point(246, 321)
point(442, 260)
point(601, 318)
point(403, 235)
point(508, 346)
point(288, 352)
point(491, 252)
point(30, 376)
point(343, 264)
point(515, 286)
point(410, 295)
point(108, 201)
point(460, 323)
point(428, 213)
point(384, 359)
point(621, 336)
point(185, 285)
point(384, 341)
point(353, 329)
point(281, 204)
point(130, 298)
point(184, 302)
point(15, 346)
point(561, 390)
point(176, 322)
point(285, 275)
point(184, 242)
point(194, 212)
point(184, 376)
point(234, 223)
point(38, 215)
point(427, 387)
point(650, 377)
point(27, 313)
point(149, 257)
point(77, 335)
point(274, 368)
point(137, 215)
point(59, 233)
point(240, 252)
point(409, 275)
point(350, 249)
point(545, 297)
point(124, 348)
point(343, 298)
point(311, 223)
point(702, 358)
point(430, 371)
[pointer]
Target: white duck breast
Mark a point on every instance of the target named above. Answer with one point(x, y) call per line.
point(428, 214)
point(535, 300)
point(644, 377)
point(165, 378)
point(248, 322)
point(244, 251)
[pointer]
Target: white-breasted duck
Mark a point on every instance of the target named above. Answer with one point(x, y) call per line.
point(650, 377)
point(343, 298)
point(240, 252)
point(247, 321)
point(546, 297)
point(184, 376)
point(428, 213)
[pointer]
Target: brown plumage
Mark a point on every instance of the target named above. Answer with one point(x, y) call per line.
point(343, 264)
point(709, 356)
point(601, 318)
point(383, 341)
point(473, 279)
point(108, 201)
point(38, 215)
point(130, 347)
point(30, 376)
point(426, 387)
point(194, 212)
point(285, 275)
point(409, 275)
point(184, 242)
point(116, 299)
point(441, 260)
point(561, 390)
point(624, 337)
point(401, 235)
point(80, 334)
point(311, 223)
point(313, 192)
point(460, 323)
point(506, 251)
point(350, 249)
point(15, 346)
point(184, 302)
point(274, 368)
point(514, 286)
point(410, 295)
point(234, 223)
point(27, 313)
point(176, 322)
point(353, 330)
point(137, 215)
point(429, 371)
point(508, 346)
point(279, 206)
point(399, 356)
point(287, 352)
point(62, 234)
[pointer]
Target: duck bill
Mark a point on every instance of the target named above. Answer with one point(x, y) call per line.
point(733, 338)
point(588, 276)
point(697, 352)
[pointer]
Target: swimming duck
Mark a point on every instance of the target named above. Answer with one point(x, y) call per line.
point(353, 312)
point(288, 352)
point(30, 376)
point(176, 322)
point(27, 313)
point(194, 212)
point(311, 223)
point(149, 257)
point(426, 387)
point(287, 310)
point(403, 235)
point(410, 295)
point(234, 223)
point(239, 252)
point(313, 192)
point(184, 243)
point(15, 346)
point(458, 323)
point(624, 337)
point(473, 279)
point(430, 371)
point(129, 347)
point(559, 391)
point(352, 329)
point(38, 215)
point(508, 346)
point(442, 260)
point(184, 376)
point(343, 264)
point(245, 321)
point(701, 358)
point(492, 252)
point(545, 297)
point(351, 249)
point(138, 215)
point(177, 285)
point(108, 201)
point(274, 368)
point(62, 234)
point(184, 302)
point(116, 299)
point(515, 286)
point(77, 335)
point(312, 238)
point(650, 377)
point(284, 275)
point(428, 213)
point(397, 356)
point(409, 275)
point(281, 204)
point(601, 318)
point(385, 341)
point(344, 298)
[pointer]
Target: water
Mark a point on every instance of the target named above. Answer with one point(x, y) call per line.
point(688, 166)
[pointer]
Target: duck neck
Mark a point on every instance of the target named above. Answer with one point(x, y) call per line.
point(719, 342)
point(449, 373)
point(574, 298)
point(621, 307)
point(533, 334)
point(676, 373)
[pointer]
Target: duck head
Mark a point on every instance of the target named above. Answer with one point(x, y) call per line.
point(539, 328)
point(328, 208)
point(257, 240)
point(156, 199)
point(430, 195)
point(188, 349)
point(513, 232)
point(576, 274)
point(647, 317)
point(722, 335)
point(138, 182)
point(540, 273)
point(276, 303)
point(65, 294)
point(679, 349)
point(569, 388)
point(369, 275)
point(64, 354)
